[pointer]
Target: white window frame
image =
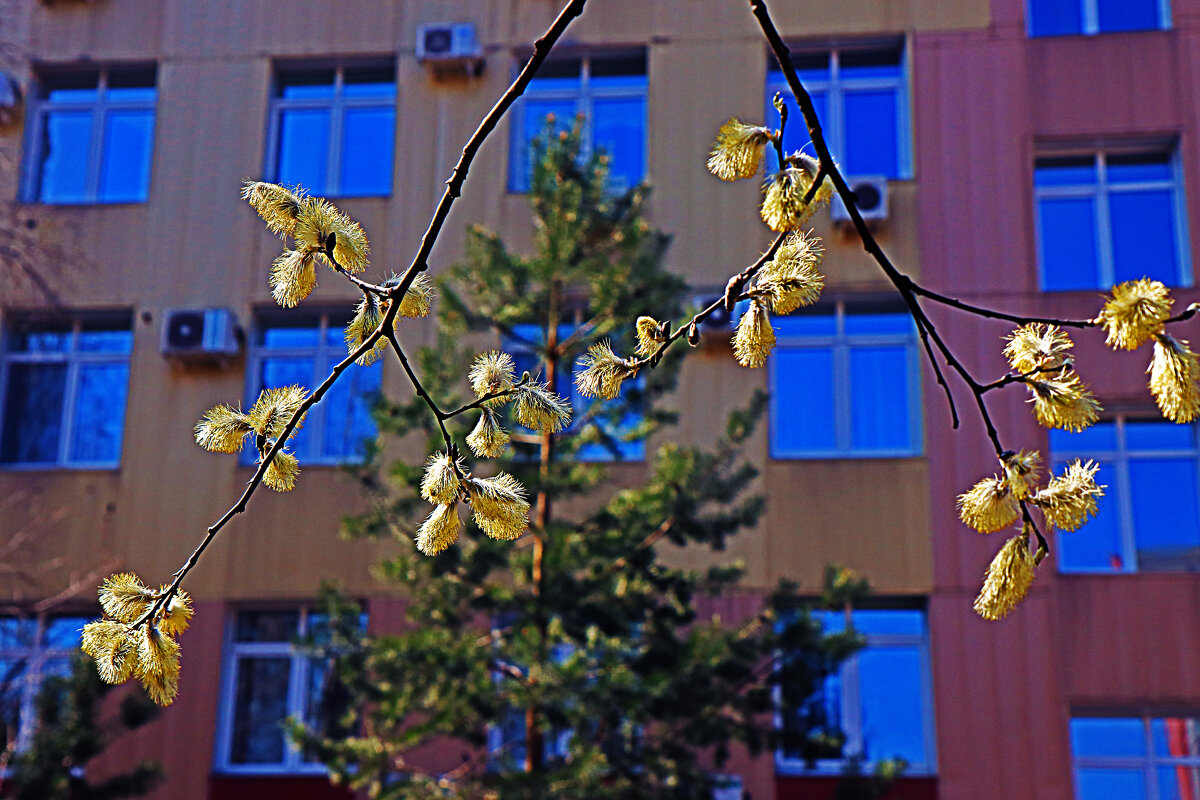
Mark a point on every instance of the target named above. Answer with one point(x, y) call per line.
point(41, 107)
point(35, 657)
point(1099, 193)
point(337, 106)
point(1121, 493)
point(73, 358)
point(1090, 16)
point(841, 344)
point(851, 709)
point(1149, 763)
point(835, 87)
point(519, 164)
point(321, 353)
point(297, 696)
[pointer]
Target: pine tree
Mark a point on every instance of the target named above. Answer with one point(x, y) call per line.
point(578, 644)
point(75, 724)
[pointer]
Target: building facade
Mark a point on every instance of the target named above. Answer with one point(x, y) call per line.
point(1033, 153)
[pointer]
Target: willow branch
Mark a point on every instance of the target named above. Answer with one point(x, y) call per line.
point(541, 49)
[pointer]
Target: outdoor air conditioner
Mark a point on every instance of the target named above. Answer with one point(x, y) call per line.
point(448, 44)
point(200, 334)
point(872, 202)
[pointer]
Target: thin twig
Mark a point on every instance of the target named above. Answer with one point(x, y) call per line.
point(541, 49)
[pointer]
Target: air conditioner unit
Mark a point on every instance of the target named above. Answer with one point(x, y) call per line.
point(872, 199)
point(200, 334)
point(448, 43)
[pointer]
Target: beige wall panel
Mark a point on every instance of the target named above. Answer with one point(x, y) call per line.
point(832, 17)
point(868, 514)
point(121, 31)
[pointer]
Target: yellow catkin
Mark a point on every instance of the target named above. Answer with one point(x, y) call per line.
point(989, 506)
point(1063, 402)
point(649, 337)
point(176, 615)
point(293, 277)
point(114, 647)
point(1174, 376)
point(277, 205)
point(1021, 471)
point(1069, 499)
point(738, 150)
point(501, 510)
point(440, 483)
point(282, 472)
point(488, 439)
point(368, 314)
point(274, 408)
point(124, 597)
point(418, 299)
point(223, 429)
point(492, 372)
point(317, 221)
point(601, 372)
point(1008, 579)
point(1037, 347)
point(439, 530)
point(755, 338)
point(791, 279)
point(1135, 312)
point(541, 409)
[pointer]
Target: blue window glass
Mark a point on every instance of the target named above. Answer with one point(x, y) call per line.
point(65, 385)
point(1065, 17)
point(273, 677)
point(1141, 461)
point(1135, 758)
point(879, 700)
point(609, 93)
point(844, 385)
point(303, 351)
point(93, 137)
point(334, 130)
point(860, 96)
point(32, 649)
point(1107, 218)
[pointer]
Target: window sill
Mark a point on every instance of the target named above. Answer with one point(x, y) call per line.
point(20, 467)
point(897, 455)
point(85, 203)
point(828, 769)
point(1093, 35)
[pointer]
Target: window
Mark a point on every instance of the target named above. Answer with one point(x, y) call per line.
point(295, 349)
point(609, 92)
point(526, 359)
point(845, 384)
point(1141, 462)
point(31, 650)
point(1136, 758)
point(881, 699)
point(1104, 218)
point(861, 98)
point(1063, 17)
point(333, 128)
point(268, 678)
point(91, 136)
point(63, 382)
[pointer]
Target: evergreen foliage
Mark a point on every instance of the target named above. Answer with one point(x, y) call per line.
point(579, 643)
point(75, 724)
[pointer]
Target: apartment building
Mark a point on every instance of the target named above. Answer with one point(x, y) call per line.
point(1026, 154)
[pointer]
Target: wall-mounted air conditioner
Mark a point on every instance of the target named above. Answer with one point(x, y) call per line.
point(449, 46)
point(872, 202)
point(200, 334)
